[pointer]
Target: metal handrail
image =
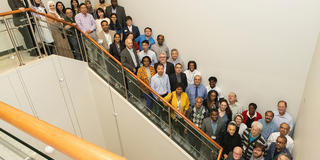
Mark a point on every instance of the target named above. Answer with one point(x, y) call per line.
point(126, 69)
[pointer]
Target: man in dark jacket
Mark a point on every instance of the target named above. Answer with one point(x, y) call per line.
point(129, 27)
point(169, 68)
point(178, 77)
point(19, 20)
point(118, 10)
point(277, 148)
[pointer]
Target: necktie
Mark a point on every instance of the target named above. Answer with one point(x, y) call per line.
point(196, 92)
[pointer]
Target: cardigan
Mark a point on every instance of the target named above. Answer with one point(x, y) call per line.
point(184, 102)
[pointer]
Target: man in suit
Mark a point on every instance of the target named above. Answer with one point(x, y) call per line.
point(130, 28)
point(213, 121)
point(129, 57)
point(105, 36)
point(119, 10)
point(19, 20)
point(214, 128)
point(168, 67)
point(178, 77)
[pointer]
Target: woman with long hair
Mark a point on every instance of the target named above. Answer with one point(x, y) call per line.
point(75, 6)
point(116, 47)
point(212, 100)
point(225, 111)
point(101, 16)
point(61, 9)
point(115, 25)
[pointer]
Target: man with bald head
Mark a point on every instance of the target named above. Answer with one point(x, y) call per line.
point(235, 107)
point(283, 131)
point(196, 90)
point(236, 154)
point(283, 156)
point(129, 57)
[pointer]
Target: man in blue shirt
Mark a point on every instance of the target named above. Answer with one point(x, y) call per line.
point(196, 90)
point(268, 125)
point(146, 36)
point(161, 84)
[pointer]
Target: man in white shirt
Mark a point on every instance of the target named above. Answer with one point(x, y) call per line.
point(212, 86)
point(147, 52)
point(235, 107)
point(105, 37)
point(283, 130)
point(281, 115)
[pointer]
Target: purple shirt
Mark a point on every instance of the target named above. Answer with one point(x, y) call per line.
point(85, 22)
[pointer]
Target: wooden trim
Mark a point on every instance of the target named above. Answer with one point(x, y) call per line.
point(132, 74)
point(59, 139)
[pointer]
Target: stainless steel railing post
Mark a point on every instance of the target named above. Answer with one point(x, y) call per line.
point(124, 83)
point(84, 48)
point(169, 121)
point(13, 41)
point(79, 44)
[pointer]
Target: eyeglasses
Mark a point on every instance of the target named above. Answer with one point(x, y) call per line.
point(280, 142)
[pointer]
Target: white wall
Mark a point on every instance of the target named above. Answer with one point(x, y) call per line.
point(307, 130)
point(57, 90)
point(259, 49)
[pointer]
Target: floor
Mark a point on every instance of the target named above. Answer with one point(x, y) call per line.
point(11, 61)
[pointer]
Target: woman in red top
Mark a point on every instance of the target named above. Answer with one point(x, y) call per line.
point(251, 115)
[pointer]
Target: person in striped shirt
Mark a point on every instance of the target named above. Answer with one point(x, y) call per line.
point(250, 137)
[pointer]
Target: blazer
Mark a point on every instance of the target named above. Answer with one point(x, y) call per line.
point(184, 102)
point(102, 36)
point(121, 14)
point(173, 81)
point(169, 69)
point(135, 31)
point(207, 128)
point(114, 51)
point(126, 59)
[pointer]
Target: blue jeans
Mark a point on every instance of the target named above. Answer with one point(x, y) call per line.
point(149, 100)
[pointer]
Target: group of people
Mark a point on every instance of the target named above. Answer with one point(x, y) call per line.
point(243, 133)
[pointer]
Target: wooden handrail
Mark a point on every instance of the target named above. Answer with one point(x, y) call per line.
point(59, 139)
point(132, 74)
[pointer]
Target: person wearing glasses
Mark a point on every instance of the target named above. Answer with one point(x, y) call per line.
point(277, 148)
point(284, 131)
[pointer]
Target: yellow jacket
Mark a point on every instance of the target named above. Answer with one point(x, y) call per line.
point(184, 102)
